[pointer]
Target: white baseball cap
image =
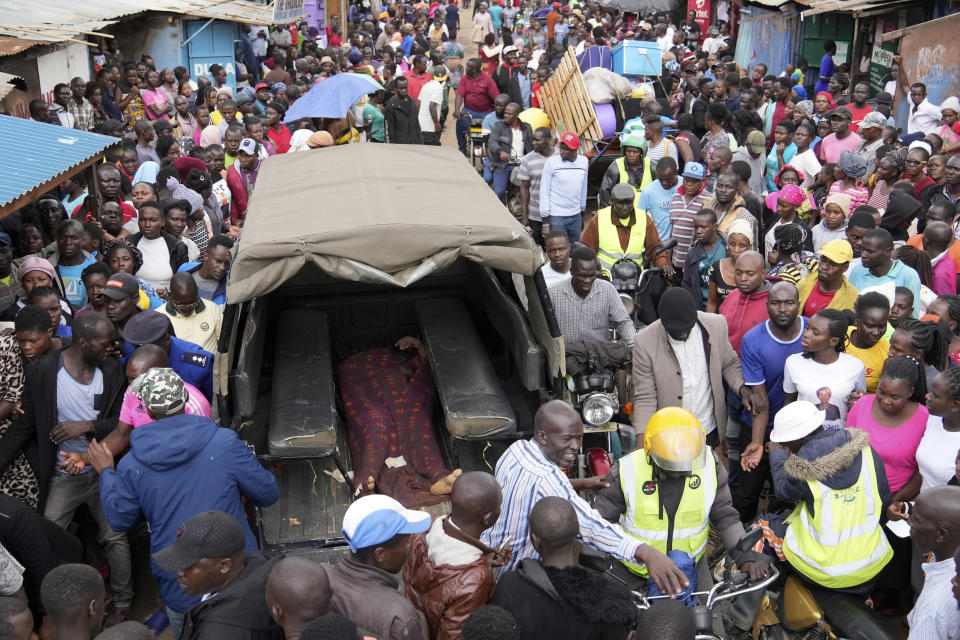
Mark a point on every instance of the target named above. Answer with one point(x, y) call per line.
point(377, 518)
point(248, 146)
point(796, 420)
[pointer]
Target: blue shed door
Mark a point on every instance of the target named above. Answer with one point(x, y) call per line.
point(212, 45)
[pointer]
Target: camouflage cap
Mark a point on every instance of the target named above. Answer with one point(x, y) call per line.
point(161, 391)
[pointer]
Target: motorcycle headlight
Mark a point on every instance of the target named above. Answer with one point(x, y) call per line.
point(628, 303)
point(597, 409)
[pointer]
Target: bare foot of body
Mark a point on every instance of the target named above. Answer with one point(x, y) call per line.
point(444, 485)
point(370, 483)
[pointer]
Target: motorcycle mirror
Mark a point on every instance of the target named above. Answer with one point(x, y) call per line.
point(628, 303)
point(596, 560)
point(667, 245)
point(749, 539)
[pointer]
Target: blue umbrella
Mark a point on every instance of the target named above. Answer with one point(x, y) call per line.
point(333, 97)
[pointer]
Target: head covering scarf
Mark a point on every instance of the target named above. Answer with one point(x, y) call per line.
point(806, 106)
point(210, 135)
point(842, 200)
point(950, 104)
point(147, 172)
point(921, 144)
point(898, 159)
point(792, 194)
point(852, 164)
point(827, 95)
point(298, 141)
point(181, 192)
point(788, 167)
point(184, 164)
point(36, 263)
point(901, 209)
point(741, 227)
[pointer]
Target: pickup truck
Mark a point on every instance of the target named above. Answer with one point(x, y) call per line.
point(339, 254)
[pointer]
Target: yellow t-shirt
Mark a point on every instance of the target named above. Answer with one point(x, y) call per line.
point(872, 359)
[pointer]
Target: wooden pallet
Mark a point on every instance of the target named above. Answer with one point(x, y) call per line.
point(564, 97)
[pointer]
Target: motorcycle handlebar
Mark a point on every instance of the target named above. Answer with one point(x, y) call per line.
point(717, 594)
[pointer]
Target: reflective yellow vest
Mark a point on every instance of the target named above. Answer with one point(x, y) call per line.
point(609, 250)
point(841, 545)
point(647, 178)
point(643, 520)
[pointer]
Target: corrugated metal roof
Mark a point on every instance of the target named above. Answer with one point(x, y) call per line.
point(10, 46)
point(56, 20)
point(36, 153)
point(815, 7)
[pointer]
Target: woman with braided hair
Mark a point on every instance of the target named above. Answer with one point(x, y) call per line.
point(895, 419)
point(948, 308)
point(926, 341)
point(824, 374)
point(919, 261)
point(790, 259)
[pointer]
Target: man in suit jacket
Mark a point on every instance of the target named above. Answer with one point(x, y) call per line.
point(696, 347)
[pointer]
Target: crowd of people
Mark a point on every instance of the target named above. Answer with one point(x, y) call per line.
point(807, 339)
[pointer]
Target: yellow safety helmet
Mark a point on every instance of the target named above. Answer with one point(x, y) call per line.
point(675, 440)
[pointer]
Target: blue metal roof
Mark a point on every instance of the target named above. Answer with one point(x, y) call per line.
point(36, 152)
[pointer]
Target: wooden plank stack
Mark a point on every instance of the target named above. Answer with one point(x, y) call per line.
point(564, 97)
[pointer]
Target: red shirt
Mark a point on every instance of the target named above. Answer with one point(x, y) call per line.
point(817, 301)
point(858, 115)
point(478, 93)
point(280, 138)
point(414, 84)
point(129, 213)
point(922, 184)
point(743, 313)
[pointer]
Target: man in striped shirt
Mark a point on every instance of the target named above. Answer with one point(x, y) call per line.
point(533, 469)
point(684, 207)
point(935, 526)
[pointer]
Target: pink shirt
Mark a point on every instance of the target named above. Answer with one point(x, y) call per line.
point(831, 146)
point(859, 195)
point(133, 413)
point(896, 447)
point(944, 276)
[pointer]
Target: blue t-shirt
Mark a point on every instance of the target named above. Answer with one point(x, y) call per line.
point(495, 16)
point(763, 357)
point(73, 288)
point(901, 275)
point(655, 200)
point(452, 16)
point(407, 45)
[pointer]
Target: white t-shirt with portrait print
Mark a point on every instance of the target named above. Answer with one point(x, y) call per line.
point(835, 382)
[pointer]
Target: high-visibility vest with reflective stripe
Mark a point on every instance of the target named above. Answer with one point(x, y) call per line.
point(609, 250)
point(642, 519)
point(841, 545)
point(647, 178)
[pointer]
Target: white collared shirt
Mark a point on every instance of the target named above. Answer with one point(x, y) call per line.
point(935, 614)
point(697, 391)
point(924, 117)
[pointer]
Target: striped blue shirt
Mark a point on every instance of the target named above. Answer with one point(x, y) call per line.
point(526, 475)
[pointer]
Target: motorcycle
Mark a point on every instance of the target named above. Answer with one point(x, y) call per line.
point(730, 586)
point(476, 142)
point(640, 286)
point(797, 610)
point(594, 369)
point(804, 612)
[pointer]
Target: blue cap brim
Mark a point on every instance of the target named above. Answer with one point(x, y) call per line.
point(382, 525)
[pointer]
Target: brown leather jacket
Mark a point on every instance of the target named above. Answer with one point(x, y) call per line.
point(445, 593)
